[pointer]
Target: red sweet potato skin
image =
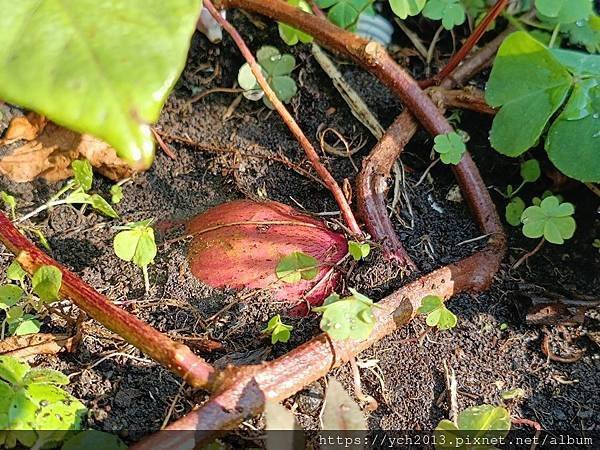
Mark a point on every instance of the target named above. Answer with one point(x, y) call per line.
point(239, 244)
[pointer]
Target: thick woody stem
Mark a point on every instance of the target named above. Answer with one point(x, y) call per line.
point(176, 357)
point(245, 390)
point(287, 118)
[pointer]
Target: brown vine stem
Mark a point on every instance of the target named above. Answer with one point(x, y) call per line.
point(372, 181)
point(287, 118)
point(176, 357)
point(462, 53)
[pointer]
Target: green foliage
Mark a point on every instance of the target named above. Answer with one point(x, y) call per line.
point(405, 8)
point(9, 201)
point(34, 410)
point(548, 80)
point(135, 243)
point(359, 250)
point(348, 317)
point(15, 300)
point(485, 423)
point(291, 35)
point(512, 394)
point(276, 69)
point(437, 313)
point(585, 33)
point(564, 11)
point(530, 171)
point(514, 210)
point(345, 13)
point(116, 193)
point(551, 219)
point(451, 147)
point(279, 331)
point(94, 439)
point(450, 12)
point(90, 65)
point(83, 174)
point(297, 266)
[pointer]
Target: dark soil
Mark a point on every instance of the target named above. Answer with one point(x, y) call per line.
point(131, 395)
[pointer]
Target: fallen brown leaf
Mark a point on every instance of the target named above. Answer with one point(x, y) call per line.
point(50, 150)
point(37, 344)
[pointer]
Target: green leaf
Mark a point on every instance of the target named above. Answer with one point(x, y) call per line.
point(585, 33)
point(10, 294)
point(46, 283)
point(347, 318)
point(485, 418)
point(45, 376)
point(99, 204)
point(405, 8)
point(279, 331)
point(551, 219)
point(12, 370)
point(116, 192)
point(136, 244)
point(514, 210)
point(297, 266)
point(564, 11)
point(450, 146)
point(512, 394)
point(92, 66)
point(578, 63)
point(530, 170)
point(25, 325)
point(291, 35)
point(9, 201)
point(82, 171)
point(450, 12)
point(542, 87)
point(56, 408)
point(94, 439)
point(344, 13)
point(437, 313)
point(430, 303)
point(447, 319)
point(15, 272)
point(41, 237)
point(358, 250)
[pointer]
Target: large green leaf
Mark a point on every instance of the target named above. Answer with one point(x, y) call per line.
point(101, 67)
point(529, 85)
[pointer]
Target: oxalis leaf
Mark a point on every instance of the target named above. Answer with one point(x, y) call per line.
point(564, 11)
point(291, 35)
point(551, 219)
point(345, 13)
point(297, 266)
point(405, 8)
point(136, 243)
point(450, 12)
point(347, 318)
point(450, 146)
point(437, 314)
point(542, 87)
point(103, 68)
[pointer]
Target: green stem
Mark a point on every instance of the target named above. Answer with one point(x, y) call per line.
point(523, 183)
point(554, 35)
point(146, 279)
point(41, 208)
point(514, 22)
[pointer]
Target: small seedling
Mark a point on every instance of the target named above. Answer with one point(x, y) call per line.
point(75, 192)
point(16, 300)
point(485, 423)
point(276, 69)
point(136, 243)
point(530, 172)
point(291, 35)
point(450, 12)
point(279, 331)
point(34, 410)
point(359, 250)
point(513, 394)
point(348, 317)
point(450, 146)
point(297, 266)
point(437, 313)
point(116, 194)
point(405, 8)
point(551, 220)
point(345, 13)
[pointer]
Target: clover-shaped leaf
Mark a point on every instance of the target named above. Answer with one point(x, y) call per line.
point(564, 11)
point(345, 13)
point(551, 219)
point(276, 69)
point(450, 12)
point(116, 193)
point(291, 35)
point(450, 146)
point(347, 318)
point(530, 170)
point(514, 210)
point(405, 8)
point(437, 313)
point(585, 33)
point(359, 250)
point(279, 331)
point(484, 423)
point(297, 266)
point(136, 243)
